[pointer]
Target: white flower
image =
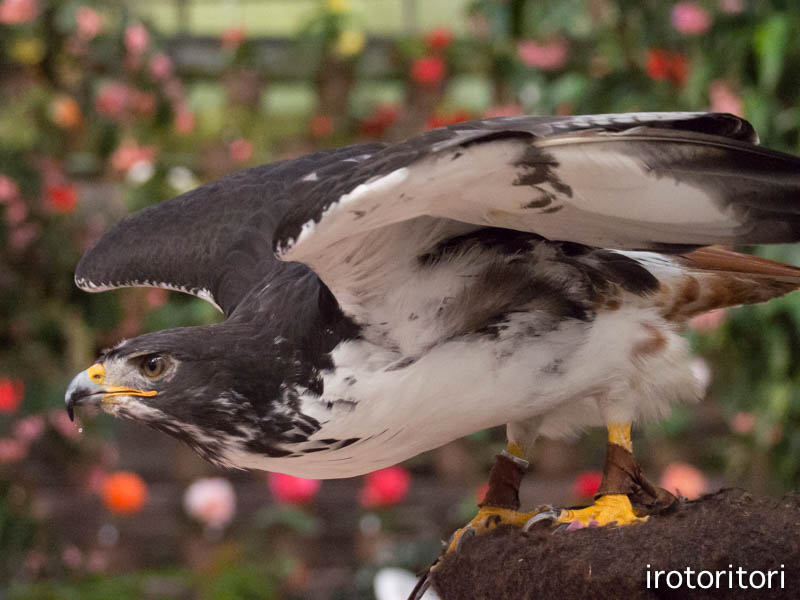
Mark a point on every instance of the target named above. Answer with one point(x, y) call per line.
point(181, 179)
point(141, 172)
point(396, 584)
point(211, 501)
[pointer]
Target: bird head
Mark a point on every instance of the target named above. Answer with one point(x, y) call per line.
point(221, 390)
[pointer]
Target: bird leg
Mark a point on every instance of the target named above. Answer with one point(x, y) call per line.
point(500, 505)
point(622, 482)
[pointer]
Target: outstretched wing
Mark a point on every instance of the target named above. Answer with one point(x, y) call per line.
point(635, 181)
point(214, 242)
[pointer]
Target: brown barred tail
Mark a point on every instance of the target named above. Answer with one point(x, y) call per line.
point(716, 277)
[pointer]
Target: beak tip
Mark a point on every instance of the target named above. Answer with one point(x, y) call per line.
point(70, 412)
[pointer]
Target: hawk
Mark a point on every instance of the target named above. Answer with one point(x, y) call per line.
point(383, 299)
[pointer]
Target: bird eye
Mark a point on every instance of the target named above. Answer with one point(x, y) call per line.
point(153, 366)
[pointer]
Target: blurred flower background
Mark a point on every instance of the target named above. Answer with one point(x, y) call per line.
point(106, 107)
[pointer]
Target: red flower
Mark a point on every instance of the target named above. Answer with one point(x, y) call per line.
point(233, 37)
point(386, 487)
point(321, 126)
point(62, 198)
point(379, 121)
point(11, 393)
point(664, 65)
point(124, 492)
point(428, 70)
point(288, 489)
point(679, 69)
point(481, 491)
point(439, 38)
point(587, 483)
point(445, 119)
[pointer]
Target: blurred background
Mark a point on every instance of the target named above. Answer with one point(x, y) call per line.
point(106, 107)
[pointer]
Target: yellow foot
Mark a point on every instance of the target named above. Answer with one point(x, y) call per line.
point(612, 508)
point(488, 518)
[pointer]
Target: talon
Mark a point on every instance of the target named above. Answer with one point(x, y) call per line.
point(546, 513)
point(467, 532)
point(612, 509)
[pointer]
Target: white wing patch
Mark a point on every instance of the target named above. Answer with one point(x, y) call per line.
point(590, 191)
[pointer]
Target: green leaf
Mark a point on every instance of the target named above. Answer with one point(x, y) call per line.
point(770, 43)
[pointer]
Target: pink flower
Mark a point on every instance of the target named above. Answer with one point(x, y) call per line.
point(587, 483)
point(11, 450)
point(16, 212)
point(708, 322)
point(8, 189)
point(72, 557)
point(112, 99)
point(28, 429)
point(212, 501)
point(548, 56)
point(428, 70)
point(136, 38)
point(503, 110)
point(22, 236)
point(184, 120)
point(288, 489)
point(743, 422)
point(11, 393)
point(684, 479)
point(59, 420)
point(89, 23)
point(129, 153)
point(386, 487)
point(161, 66)
point(724, 99)
point(155, 297)
point(690, 18)
point(241, 150)
point(14, 12)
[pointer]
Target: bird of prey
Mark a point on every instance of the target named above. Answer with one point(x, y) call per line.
point(383, 299)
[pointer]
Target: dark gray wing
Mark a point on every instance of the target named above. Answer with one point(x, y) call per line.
point(214, 242)
point(635, 181)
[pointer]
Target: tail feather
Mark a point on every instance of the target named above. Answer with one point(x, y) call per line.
point(715, 277)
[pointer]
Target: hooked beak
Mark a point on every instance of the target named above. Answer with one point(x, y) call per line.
point(88, 388)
